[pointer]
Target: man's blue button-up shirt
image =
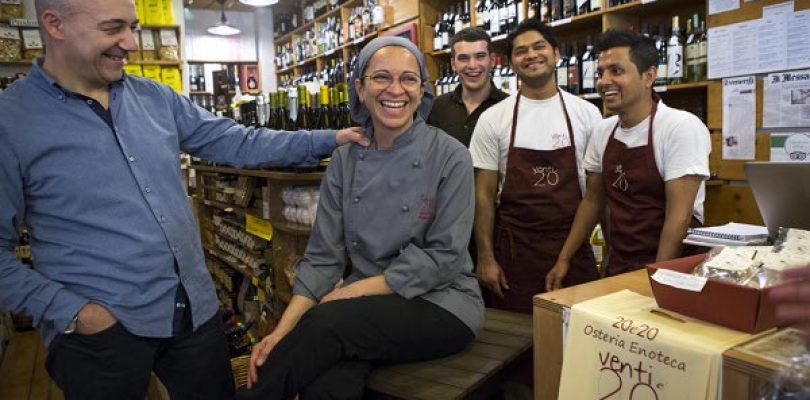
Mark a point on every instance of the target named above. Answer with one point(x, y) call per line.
point(106, 209)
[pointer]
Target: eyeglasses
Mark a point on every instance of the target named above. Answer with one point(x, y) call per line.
point(384, 80)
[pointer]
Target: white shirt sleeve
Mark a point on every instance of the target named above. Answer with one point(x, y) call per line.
point(685, 149)
point(484, 145)
point(596, 145)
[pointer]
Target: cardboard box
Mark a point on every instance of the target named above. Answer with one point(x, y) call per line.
point(737, 307)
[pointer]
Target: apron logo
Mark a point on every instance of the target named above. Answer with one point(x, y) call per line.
point(546, 176)
point(428, 209)
point(560, 140)
point(621, 182)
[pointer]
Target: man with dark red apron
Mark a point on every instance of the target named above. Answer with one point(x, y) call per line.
point(530, 146)
point(647, 164)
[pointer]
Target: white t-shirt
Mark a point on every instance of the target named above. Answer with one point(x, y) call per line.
point(541, 126)
point(681, 145)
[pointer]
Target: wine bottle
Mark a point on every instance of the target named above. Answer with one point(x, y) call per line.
point(675, 67)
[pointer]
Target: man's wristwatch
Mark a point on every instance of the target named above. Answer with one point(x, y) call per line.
point(72, 325)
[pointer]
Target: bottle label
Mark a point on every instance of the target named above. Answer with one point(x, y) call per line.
point(588, 75)
point(562, 76)
point(662, 72)
point(703, 50)
point(692, 54)
point(437, 42)
point(675, 62)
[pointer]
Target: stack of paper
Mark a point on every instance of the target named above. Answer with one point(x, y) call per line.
point(731, 234)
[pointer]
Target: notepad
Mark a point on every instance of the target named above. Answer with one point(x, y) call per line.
point(732, 231)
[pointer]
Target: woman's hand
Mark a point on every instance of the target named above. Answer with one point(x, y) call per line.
point(342, 293)
point(364, 287)
point(259, 355)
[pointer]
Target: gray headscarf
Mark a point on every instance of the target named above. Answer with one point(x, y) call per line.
point(360, 113)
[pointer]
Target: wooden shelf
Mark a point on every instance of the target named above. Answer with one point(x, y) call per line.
point(238, 267)
point(160, 26)
point(221, 62)
point(639, 9)
point(199, 93)
point(579, 22)
point(19, 62)
point(156, 62)
point(702, 85)
point(295, 229)
point(682, 86)
point(315, 176)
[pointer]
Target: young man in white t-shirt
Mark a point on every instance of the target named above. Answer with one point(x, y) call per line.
point(653, 191)
point(528, 153)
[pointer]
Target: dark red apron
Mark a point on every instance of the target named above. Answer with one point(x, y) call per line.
point(538, 202)
point(636, 199)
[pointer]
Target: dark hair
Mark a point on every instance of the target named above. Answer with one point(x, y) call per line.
point(472, 34)
point(530, 24)
point(642, 49)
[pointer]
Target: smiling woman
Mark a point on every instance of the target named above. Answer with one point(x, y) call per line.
point(400, 212)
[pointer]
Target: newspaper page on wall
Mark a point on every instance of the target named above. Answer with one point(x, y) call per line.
point(739, 118)
point(787, 100)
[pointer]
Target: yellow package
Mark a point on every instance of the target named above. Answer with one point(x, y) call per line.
point(132, 69)
point(171, 77)
point(154, 11)
point(140, 11)
point(152, 72)
point(168, 13)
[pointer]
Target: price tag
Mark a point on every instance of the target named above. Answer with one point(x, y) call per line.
point(679, 280)
point(261, 295)
point(660, 89)
point(649, 1)
point(591, 96)
point(259, 227)
point(14, 2)
point(255, 281)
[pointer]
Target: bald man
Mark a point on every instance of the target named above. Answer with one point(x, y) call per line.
point(89, 164)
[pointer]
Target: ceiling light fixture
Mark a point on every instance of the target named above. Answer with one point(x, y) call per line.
point(223, 28)
point(259, 3)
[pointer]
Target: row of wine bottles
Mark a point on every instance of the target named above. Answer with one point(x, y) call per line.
point(298, 108)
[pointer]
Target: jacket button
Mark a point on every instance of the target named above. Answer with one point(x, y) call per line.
point(405, 208)
point(356, 200)
point(416, 164)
